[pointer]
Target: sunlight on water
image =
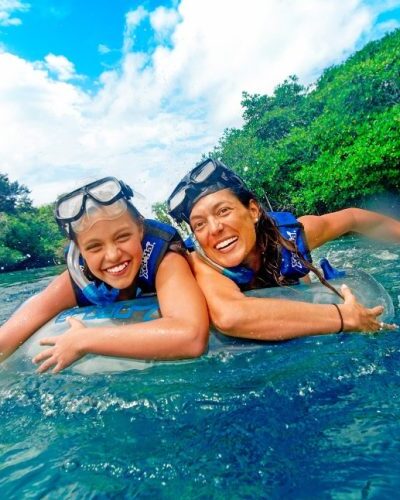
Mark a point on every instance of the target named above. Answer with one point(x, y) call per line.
point(317, 416)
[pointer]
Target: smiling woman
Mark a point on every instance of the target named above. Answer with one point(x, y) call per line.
point(114, 254)
point(240, 246)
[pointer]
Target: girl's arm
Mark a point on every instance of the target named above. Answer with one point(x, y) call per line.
point(276, 319)
point(181, 332)
point(34, 313)
point(323, 228)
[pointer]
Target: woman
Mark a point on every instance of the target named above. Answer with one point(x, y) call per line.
point(114, 254)
point(240, 246)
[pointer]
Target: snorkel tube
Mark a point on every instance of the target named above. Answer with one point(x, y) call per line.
point(100, 294)
point(241, 275)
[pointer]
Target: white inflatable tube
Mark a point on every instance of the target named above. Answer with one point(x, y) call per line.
point(367, 290)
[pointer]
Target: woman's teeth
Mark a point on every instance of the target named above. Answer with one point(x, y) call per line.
point(117, 269)
point(223, 244)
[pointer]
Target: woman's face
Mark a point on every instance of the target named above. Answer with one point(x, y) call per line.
point(112, 250)
point(225, 228)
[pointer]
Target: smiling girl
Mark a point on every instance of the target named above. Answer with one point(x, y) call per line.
point(114, 254)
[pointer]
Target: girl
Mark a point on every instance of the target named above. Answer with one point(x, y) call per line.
point(114, 254)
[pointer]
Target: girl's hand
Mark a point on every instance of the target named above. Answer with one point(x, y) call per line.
point(358, 318)
point(65, 350)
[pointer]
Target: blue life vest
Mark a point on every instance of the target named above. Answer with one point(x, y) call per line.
point(291, 229)
point(157, 239)
point(291, 266)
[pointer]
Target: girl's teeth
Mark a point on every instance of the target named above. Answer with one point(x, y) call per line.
point(117, 269)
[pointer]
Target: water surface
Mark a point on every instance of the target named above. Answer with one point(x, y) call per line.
point(314, 417)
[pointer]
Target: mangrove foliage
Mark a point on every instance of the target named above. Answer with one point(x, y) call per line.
point(322, 147)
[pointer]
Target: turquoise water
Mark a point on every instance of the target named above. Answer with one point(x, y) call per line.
point(314, 417)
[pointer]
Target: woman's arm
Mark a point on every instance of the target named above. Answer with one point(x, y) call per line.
point(276, 319)
point(323, 228)
point(181, 332)
point(34, 313)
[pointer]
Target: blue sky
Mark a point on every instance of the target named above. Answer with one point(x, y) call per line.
point(77, 30)
point(141, 89)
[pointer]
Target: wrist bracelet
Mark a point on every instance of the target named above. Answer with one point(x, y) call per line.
point(341, 318)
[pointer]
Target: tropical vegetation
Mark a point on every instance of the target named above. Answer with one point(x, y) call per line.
point(29, 236)
point(318, 148)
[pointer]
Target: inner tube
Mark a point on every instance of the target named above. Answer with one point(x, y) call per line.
point(367, 290)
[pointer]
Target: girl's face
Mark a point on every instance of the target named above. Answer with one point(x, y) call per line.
point(225, 229)
point(112, 250)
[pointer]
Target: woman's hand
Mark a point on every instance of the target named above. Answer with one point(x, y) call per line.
point(358, 318)
point(65, 350)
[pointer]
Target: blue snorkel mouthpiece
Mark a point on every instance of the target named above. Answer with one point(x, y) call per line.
point(329, 271)
point(100, 294)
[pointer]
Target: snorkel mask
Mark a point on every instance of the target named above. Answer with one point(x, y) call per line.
point(77, 211)
point(105, 199)
point(208, 177)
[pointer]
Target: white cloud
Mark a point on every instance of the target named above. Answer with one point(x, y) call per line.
point(163, 21)
point(103, 49)
point(132, 20)
point(155, 114)
point(60, 66)
point(7, 10)
point(259, 45)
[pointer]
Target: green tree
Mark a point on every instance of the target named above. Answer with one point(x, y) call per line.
point(13, 196)
point(34, 235)
point(369, 165)
point(323, 147)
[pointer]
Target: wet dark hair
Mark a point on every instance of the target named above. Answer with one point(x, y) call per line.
point(269, 241)
point(135, 214)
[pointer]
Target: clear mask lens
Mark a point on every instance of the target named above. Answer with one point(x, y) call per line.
point(106, 191)
point(204, 173)
point(177, 199)
point(70, 207)
point(95, 212)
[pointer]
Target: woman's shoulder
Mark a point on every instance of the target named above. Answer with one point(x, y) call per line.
point(210, 279)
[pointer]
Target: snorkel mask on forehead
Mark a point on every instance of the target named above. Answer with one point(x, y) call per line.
point(208, 177)
point(106, 198)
